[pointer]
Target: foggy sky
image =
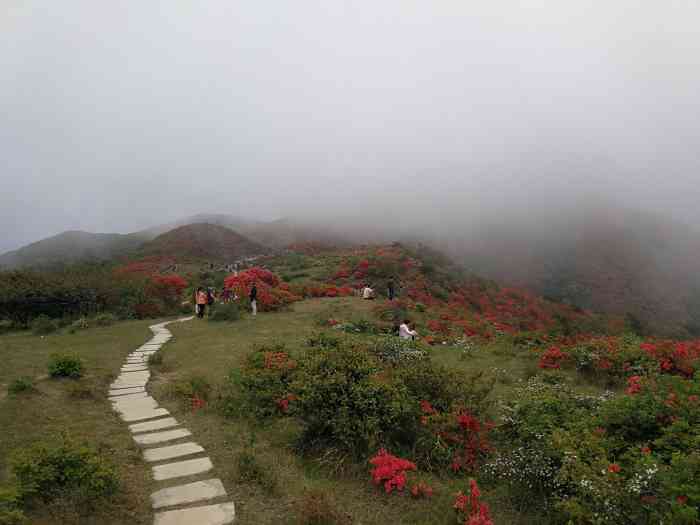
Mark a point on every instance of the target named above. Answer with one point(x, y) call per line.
point(115, 116)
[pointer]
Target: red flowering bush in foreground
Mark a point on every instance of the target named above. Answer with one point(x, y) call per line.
point(390, 471)
point(470, 509)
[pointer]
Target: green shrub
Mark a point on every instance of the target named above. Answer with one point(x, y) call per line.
point(155, 359)
point(225, 312)
point(261, 383)
point(22, 384)
point(344, 402)
point(250, 470)
point(43, 325)
point(194, 386)
point(6, 326)
point(65, 365)
point(60, 467)
point(11, 507)
point(323, 340)
point(444, 388)
point(105, 319)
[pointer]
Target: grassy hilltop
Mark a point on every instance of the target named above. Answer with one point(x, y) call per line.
point(313, 412)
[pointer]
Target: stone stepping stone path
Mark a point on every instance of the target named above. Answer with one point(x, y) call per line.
point(168, 447)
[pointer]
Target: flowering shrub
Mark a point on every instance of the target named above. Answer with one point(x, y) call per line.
point(272, 293)
point(552, 358)
point(263, 385)
point(470, 510)
point(390, 471)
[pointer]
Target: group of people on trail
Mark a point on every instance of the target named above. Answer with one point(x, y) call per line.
point(207, 297)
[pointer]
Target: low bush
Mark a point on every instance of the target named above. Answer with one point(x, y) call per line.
point(194, 391)
point(6, 326)
point(346, 403)
point(43, 325)
point(11, 512)
point(155, 359)
point(105, 319)
point(263, 385)
point(323, 340)
point(65, 365)
point(225, 312)
point(22, 384)
point(63, 468)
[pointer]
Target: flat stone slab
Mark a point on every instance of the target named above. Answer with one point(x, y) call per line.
point(134, 404)
point(158, 424)
point(172, 451)
point(128, 384)
point(220, 514)
point(120, 385)
point(189, 493)
point(133, 375)
point(136, 395)
point(161, 437)
point(143, 413)
point(125, 391)
point(134, 368)
point(178, 469)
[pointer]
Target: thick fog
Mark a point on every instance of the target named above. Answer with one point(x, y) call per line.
point(117, 116)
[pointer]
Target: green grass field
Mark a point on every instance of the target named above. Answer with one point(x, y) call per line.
point(275, 488)
point(79, 407)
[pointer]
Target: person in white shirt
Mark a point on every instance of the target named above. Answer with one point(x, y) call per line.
point(367, 293)
point(405, 331)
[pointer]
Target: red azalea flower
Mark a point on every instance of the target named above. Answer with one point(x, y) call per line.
point(614, 468)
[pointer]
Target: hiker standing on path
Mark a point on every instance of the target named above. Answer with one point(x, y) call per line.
point(201, 299)
point(390, 290)
point(254, 299)
point(405, 331)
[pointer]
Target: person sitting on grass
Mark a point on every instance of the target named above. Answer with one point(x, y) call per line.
point(405, 331)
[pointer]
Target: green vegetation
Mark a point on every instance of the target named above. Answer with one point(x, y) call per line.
point(78, 409)
point(65, 365)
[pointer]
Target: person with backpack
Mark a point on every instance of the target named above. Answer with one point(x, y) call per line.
point(253, 296)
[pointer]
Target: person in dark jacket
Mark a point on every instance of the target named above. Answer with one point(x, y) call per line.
point(390, 290)
point(254, 299)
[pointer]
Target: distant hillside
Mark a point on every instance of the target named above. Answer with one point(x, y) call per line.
point(72, 246)
point(203, 241)
point(612, 261)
